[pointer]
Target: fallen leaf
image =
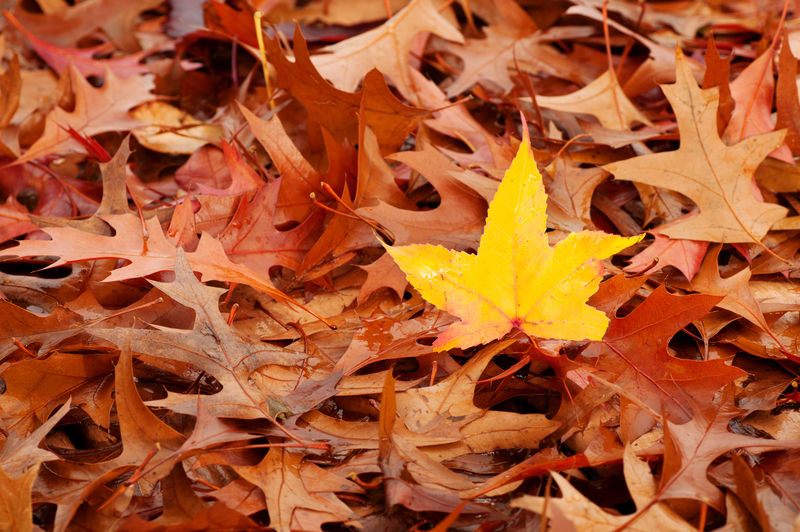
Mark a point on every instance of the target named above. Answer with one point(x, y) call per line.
point(385, 48)
point(516, 280)
point(717, 177)
point(96, 111)
point(16, 512)
point(602, 98)
point(291, 505)
point(634, 352)
point(146, 255)
point(212, 346)
point(752, 93)
point(685, 255)
point(693, 446)
point(338, 111)
point(574, 511)
point(167, 129)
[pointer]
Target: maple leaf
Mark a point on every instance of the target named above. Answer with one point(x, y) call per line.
point(516, 280)
point(717, 177)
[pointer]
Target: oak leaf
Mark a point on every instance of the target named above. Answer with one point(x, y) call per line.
point(212, 346)
point(143, 435)
point(602, 98)
point(411, 478)
point(752, 92)
point(685, 255)
point(294, 502)
point(387, 48)
point(717, 177)
point(60, 58)
point(692, 447)
point(171, 130)
point(252, 239)
point(96, 111)
point(66, 25)
point(338, 111)
point(573, 511)
point(516, 280)
point(17, 512)
point(146, 249)
point(634, 352)
point(457, 220)
point(490, 58)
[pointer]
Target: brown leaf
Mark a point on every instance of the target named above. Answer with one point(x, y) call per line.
point(252, 239)
point(602, 98)
point(37, 385)
point(634, 353)
point(212, 346)
point(96, 111)
point(458, 220)
point(16, 512)
point(574, 511)
point(385, 48)
point(10, 86)
point(145, 248)
point(787, 101)
point(448, 408)
point(715, 176)
point(692, 447)
point(20, 455)
point(291, 505)
point(391, 120)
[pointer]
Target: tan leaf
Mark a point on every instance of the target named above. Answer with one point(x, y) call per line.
point(717, 177)
point(386, 48)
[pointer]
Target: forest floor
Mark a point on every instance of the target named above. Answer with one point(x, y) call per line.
point(250, 278)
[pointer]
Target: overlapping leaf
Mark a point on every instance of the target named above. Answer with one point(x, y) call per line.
point(516, 280)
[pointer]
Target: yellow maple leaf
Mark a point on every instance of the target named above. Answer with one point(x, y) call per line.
point(516, 280)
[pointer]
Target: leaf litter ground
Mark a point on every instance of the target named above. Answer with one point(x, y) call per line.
point(462, 265)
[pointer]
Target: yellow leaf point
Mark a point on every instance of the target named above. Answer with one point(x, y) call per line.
point(516, 280)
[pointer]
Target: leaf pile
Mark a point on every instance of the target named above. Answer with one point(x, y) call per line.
point(464, 265)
